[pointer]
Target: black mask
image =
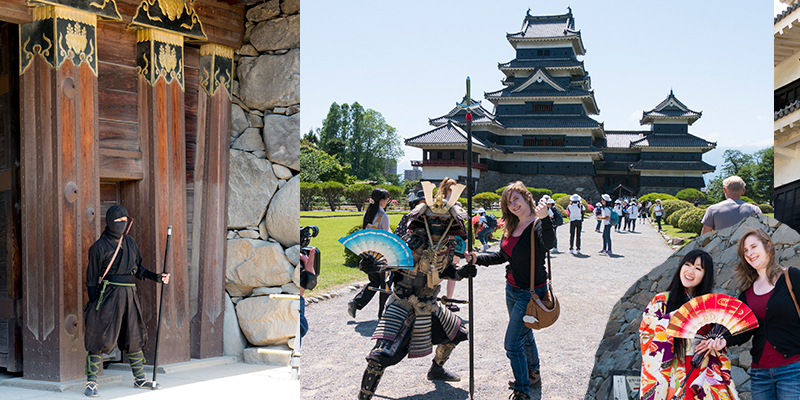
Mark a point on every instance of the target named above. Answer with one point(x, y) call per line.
point(116, 211)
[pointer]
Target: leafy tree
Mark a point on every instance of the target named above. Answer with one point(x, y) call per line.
point(690, 195)
point(357, 194)
point(310, 139)
point(362, 138)
point(332, 192)
point(394, 191)
point(318, 166)
point(737, 163)
point(410, 185)
point(485, 199)
point(308, 190)
point(763, 176)
point(714, 193)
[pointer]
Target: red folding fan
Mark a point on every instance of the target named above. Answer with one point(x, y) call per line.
point(720, 309)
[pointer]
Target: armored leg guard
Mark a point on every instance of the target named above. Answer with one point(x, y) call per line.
point(372, 375)
point(437, 371)
point(136, 359)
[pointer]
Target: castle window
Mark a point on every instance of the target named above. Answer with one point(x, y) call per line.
point(540, 52)
point(529, 142)
point(541, 108)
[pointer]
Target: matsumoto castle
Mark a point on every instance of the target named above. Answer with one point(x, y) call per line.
point(541, 131)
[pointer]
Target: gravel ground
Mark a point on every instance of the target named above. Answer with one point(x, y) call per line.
point(588, 286)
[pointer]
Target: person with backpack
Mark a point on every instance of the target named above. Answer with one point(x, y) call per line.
point(618, 209)
point(488, 222)
point(608, 222)
point(558, 220)
point(575, 209)
point(658, 212)
point(598, 212)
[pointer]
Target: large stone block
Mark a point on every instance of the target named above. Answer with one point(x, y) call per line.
point(238, 119)
point(276, 34)
point(282, 139)
point(251, 184)
point(290, 6)
point(233, 341)
point(264, 264)
point(283, 216)
point(267, 321)
point(250, 140)
point(269, 81)
point(264, 11)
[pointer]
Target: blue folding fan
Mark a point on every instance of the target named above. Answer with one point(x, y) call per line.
point(383, 245)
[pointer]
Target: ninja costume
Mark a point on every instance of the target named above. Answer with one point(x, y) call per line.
point(113, 316)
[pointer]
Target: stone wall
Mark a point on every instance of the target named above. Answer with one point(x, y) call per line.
point(492, 180)
point(619, 350)
point(264, 186)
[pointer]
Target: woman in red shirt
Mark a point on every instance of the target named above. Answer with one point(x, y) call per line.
point(775, 371)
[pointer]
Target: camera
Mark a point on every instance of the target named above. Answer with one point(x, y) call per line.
point(311, 265)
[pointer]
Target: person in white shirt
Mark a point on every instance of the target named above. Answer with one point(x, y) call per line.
point(658, 212)
point(606, 218)
point(576, 210)
point(633, 213)
point(618, 210)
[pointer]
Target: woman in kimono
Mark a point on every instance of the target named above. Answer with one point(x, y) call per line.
point(666, 360)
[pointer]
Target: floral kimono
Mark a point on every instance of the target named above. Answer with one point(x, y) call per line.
point(663, 374)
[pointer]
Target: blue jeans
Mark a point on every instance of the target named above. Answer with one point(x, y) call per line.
point(782, 383)
point(483, 235)
point(607, 237)
point(519, 342)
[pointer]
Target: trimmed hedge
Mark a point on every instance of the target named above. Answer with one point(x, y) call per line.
point(749, 200)
point(690, 195)
point(691, 221)
point(537, 193)
point(557, 196)
point(563, 201)
point(766, 208)
point(653, 196)
point(676, 216)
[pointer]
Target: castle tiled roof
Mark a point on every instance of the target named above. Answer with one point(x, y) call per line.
point(548, 121)
point(672, 140)
point(548, 26)
point(672, 165)
point(542, 63)
point(448, 133)
point(537, 149)
point(612, 165)
point(788, 11)
point(671, 107)
point(572, 91)
point(623, 139)
point(794, 106)
point(458, 115)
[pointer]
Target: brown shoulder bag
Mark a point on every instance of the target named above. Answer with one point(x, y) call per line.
point(791, 291)
point(541, 312)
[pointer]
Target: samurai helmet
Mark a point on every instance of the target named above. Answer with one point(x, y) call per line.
point(439, 204)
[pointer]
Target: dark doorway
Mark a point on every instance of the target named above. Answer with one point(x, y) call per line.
point(10, 251)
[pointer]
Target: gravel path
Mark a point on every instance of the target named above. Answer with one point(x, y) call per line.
point(588, 286)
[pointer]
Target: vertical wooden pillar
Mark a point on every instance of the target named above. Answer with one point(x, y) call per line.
point(60, 190)
point(162, 192)
point(211, 198)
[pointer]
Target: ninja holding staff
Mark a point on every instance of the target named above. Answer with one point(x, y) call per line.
point(113, 316)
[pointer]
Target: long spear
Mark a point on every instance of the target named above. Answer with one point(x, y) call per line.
point(468, 105)
point(161, 307)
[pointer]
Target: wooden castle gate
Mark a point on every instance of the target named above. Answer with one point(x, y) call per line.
point(112, 102)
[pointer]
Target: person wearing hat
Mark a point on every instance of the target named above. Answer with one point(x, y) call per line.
point(658, 212)
point(618, 210)
point(485, 230)
point(633, 214)
point(598, 212)
point(606, 219)
point(575, 210)
point(557, 219)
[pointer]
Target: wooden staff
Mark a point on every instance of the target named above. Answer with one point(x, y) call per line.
point(161, 307)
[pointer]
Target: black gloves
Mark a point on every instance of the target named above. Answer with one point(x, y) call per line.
point(369, 264)
point(468, 271)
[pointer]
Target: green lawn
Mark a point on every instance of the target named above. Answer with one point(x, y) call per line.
point(333, 273)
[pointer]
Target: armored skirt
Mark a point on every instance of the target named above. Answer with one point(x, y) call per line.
point(411, 327)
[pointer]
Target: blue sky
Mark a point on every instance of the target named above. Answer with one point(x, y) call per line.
point(409, 61)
